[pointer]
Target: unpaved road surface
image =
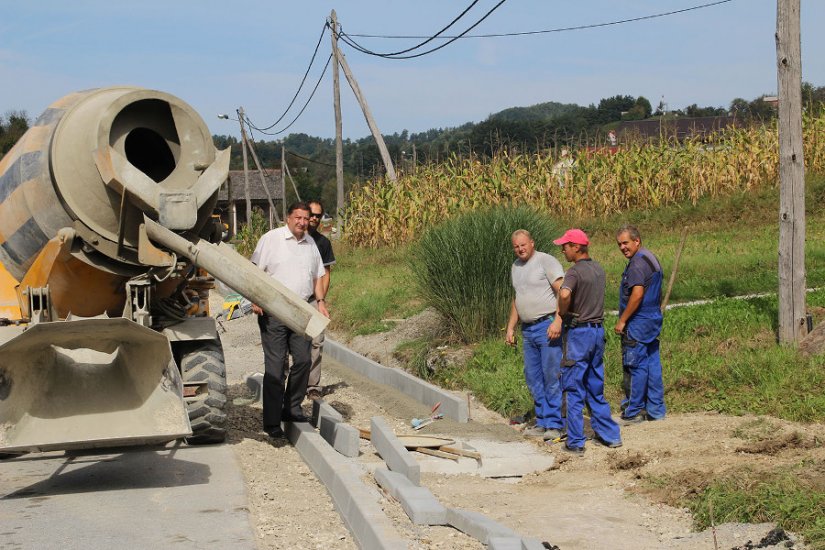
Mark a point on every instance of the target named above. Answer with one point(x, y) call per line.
point(537, 490)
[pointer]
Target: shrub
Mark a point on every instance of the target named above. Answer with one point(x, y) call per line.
point(462, 267)
point(248, 235)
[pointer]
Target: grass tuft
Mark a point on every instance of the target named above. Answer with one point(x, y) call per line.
point(462, 267)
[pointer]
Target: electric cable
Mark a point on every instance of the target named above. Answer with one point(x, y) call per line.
point(300, 86)
point(362, 49)
point(315, 89)
point(546, 31)
point(436, 35)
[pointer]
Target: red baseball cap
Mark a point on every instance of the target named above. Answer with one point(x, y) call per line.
point(575, 236)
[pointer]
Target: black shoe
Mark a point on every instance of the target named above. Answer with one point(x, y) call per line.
point(635, 419)
point(578, 451)
point(610, 444)
point(294, 418)
point(276, 433)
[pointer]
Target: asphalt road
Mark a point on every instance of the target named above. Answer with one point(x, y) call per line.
point(175, 496)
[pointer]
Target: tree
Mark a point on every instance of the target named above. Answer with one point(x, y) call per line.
point(12, 127)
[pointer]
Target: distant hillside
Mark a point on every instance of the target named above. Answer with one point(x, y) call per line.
point(541, 111)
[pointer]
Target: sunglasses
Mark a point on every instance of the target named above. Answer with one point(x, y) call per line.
point(314, 215)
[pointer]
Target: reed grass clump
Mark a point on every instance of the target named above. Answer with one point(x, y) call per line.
point(462, 267)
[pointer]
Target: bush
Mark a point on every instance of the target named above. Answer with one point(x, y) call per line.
point(248, 235)
point(462, 267)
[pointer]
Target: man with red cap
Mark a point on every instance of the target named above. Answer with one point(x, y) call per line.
point(581, 307)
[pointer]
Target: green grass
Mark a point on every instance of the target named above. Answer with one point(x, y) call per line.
point(792, 497)
point(370, 287)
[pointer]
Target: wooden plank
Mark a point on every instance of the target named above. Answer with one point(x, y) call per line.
point(460, 452)
point(436, 452)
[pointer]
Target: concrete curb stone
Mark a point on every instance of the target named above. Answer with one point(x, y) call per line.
point(357, 504)
point(452, 406)
point(396, 456)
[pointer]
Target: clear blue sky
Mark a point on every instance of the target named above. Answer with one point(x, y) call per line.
point(219, 55)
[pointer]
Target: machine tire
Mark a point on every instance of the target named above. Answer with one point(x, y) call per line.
point(203, 361)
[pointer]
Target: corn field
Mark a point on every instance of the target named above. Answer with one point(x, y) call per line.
point(637, 176)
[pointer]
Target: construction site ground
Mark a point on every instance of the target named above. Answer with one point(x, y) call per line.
point(595, 501)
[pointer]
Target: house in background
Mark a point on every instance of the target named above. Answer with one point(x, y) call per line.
point(232, 197)
point(681, 128)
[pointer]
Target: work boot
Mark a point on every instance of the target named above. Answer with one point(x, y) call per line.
point(534, 431)
point(551, 433)
point(635, 419)
point(578, 451)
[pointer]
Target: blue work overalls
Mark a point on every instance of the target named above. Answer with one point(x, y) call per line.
point(583, 382)
point(643, 385)
point(542, 358)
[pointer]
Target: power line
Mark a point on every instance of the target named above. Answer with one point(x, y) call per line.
point(315, 89)
point(300, 86)
point(309, 159)
point(436, 35)
point(362, 49)
point(546, 31)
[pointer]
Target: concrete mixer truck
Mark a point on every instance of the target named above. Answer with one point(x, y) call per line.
point(107, 256)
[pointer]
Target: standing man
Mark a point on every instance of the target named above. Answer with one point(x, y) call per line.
point(290, 256)
point(536, 279)
point(581, 306)
point(316, 213)
point(639, 325)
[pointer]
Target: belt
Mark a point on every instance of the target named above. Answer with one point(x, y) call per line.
point(590, 325)
point(539, 320)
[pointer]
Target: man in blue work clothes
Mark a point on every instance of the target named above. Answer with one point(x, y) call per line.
point(536, 279)
point(579, 321)
point(639, 325)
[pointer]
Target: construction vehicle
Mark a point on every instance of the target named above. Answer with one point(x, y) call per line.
point(105, 270)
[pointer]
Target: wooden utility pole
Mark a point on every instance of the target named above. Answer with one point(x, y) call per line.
point(376, 134)
point(792, 314)
point(272, 209)
point(339, 139)
point(283, 181)
point(239, 111)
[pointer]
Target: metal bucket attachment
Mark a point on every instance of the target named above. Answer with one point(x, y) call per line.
point(89, 383)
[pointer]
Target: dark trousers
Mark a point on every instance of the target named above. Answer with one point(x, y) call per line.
point(279, 342)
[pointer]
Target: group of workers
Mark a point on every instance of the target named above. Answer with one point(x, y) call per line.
point(561, 315)
point(562, 324)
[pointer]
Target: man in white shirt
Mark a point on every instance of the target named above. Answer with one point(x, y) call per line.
point(289, 255)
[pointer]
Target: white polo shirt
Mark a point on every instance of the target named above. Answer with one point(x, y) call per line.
point(294, 263)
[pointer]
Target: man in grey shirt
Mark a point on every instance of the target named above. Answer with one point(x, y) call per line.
point(537, 278)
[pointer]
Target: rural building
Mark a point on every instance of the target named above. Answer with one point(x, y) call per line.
point(681, 128)
point(233, 210)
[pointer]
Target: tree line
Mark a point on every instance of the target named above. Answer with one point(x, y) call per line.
point(524, 129)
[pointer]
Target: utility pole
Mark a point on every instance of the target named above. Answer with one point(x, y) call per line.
point(283, 180)
point(272, 209)
point(339, 139)
point(376, 134)
point(792, 314)
point(239, 111)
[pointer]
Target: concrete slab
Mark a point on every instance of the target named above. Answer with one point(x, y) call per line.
point(175, 496)
point(499, 460)
point(344, 438)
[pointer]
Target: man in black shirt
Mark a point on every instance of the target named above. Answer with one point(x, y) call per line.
point(316, 213)
point(581, 305)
